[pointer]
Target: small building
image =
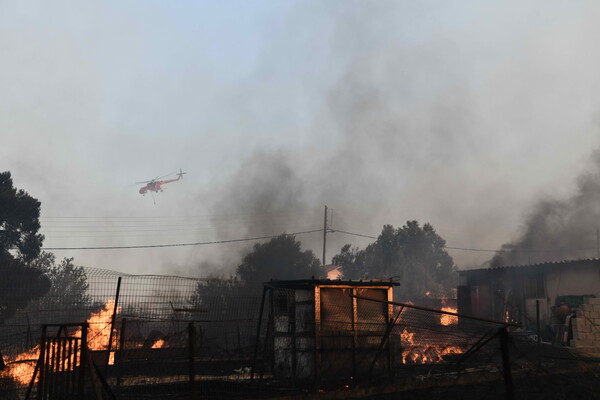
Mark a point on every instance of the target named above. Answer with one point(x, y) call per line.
point(320, 332)
point(333, 271)
point(514, 292)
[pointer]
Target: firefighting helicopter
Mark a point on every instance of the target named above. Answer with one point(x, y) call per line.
point(155, 185)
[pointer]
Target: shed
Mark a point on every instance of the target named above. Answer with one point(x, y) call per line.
point(319, 331)
point(514, 292)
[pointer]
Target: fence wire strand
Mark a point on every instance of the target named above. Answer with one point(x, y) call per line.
point(169, 331)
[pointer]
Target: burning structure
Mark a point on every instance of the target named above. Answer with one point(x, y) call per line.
point(549, 292)
point(215, 337)
point(317, 325)
point(322, 333)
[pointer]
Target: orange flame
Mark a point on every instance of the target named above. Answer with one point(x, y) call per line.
point(159, 344)
point(446, 319)
point(99, 330)
point(21, 367)
point(420, 350)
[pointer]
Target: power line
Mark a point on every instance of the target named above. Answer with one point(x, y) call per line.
point(142, 224)
point(177, 244)
point(466, 249)
point(354, 234)
point(446, 247)
point(172, 217)
point(479, 250)
point(139, 231)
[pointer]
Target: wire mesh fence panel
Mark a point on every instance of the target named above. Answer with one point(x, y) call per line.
point(174, 337)
point(139, 328)
point(73, 298)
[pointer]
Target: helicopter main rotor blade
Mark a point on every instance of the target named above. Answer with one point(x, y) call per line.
point(151, 180)
point(155, 179)
point(164, 176)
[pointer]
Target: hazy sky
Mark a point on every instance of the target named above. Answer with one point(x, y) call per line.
point(463, 114)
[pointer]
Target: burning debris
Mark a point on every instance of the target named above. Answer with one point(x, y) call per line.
point(417, 350)
point(360, 333)
point(419, 346)
point(21, 366)
point(447, 319)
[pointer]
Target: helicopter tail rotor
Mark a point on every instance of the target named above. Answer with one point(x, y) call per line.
point(181, 173)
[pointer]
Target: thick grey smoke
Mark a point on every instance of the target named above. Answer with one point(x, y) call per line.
point(559, 230)
point(264, 197)
point(385, 111)
point(265, 187)
point(415, 121)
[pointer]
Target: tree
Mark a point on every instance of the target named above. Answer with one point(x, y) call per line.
point(412, 253)
point(353, 261)
point(19, 285)
point(68, 298)
point(20, 243)
point(279, 258)
point(229, 306)
point(19, 221)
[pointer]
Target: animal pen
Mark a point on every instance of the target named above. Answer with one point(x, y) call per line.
point(138, 337)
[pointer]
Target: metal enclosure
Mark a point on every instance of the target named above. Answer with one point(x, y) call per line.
point(318, 331)
point(512, 293)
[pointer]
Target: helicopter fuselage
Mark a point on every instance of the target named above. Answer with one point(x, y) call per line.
point(155, 186)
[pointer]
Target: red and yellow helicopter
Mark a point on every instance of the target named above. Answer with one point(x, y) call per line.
point(155, 185)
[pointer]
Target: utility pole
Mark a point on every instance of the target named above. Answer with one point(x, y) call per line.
point(324, 235)
point(597, 243)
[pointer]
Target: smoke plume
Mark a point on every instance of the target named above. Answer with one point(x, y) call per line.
point(264, 197)
point(405, 127)
point(385, 111)
point(559, 230)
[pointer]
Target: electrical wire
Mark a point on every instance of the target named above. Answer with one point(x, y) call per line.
point(165, 224)
point(470, 249)
point(353, 234)
point(177, 244)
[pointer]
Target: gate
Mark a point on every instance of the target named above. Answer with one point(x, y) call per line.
point(62, 364)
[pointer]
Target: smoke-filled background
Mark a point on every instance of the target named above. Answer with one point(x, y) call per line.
point(559, 229)
point(478, 117)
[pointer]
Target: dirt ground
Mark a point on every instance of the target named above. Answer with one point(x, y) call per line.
point(581, 385)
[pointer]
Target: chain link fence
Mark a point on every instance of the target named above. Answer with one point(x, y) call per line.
point(140, 329)
point(180, 338)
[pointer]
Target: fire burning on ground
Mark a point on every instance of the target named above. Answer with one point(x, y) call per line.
point(417, 348)
point(418, 351)
point(446, 319)
point(99, 330)
point(21, 367)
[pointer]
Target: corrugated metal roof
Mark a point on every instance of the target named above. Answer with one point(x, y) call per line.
point(538, 265)
point(309, 283)
point(331, 267)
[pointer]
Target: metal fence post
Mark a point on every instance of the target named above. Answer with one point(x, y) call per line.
point(508, 383)
point(119, 355)
point(258, 329)
point(539, 337)
point(83, 360)
point(112, 325)
point(191, 354)
point(42, 372)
